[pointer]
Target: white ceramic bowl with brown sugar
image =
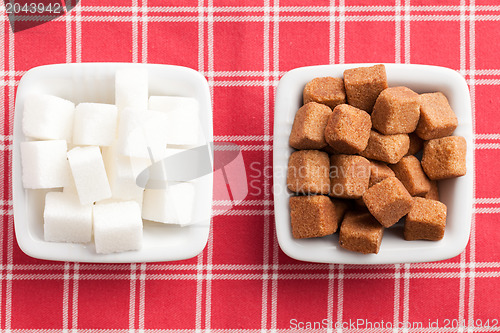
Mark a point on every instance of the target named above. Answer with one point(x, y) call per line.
point(456, 193)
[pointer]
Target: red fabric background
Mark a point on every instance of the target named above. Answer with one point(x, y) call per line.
point(242, 282)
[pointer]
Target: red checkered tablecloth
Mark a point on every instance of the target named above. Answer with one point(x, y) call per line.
point(242, 282)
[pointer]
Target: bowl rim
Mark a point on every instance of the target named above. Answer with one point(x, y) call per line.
point(289, 245)
point(40, 249)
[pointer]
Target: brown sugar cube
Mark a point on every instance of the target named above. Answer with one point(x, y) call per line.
point(410, 173)
point(360, 203)
point(416, 144)
point(445, 157)
point(386, 148)
point(378, 172)
point(433, 193)
point(349, 176)
point(388, 201)
point(360, 232)
point(341, 206)
point(308, 172)
point(348, 129)
point(426, 220)
point(325, 90)
point(363, 85)
point(396, 111)
point(437, 119)
point(329, 150)
point(308, 129)
point(314, 216)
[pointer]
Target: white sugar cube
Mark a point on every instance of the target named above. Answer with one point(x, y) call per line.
point(122, 173)
point(44, 164)
point(89, 174)
point(142, 133)
point(117, 226)
point(95, 124)
point(170, 167)
point(131, 88)
point(70, 187)
point(183, 118)
point(65, 219)
point(173, 205)
point(48, 117)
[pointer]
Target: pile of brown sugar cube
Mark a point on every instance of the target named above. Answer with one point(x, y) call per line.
point(355, 168)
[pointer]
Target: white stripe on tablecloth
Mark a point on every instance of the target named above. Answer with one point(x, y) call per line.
point(4, 147)
point(66, 281)
point(243, 212)
point(243, 202)
point(294, 9)
point(10, 220)
point(340, 284)
point(342, 19)
point(331, 267)
point(340, 297)
point(274, 83)
point(242, 137)
point(199, 261)
point(132, 277)
point(228, 73)
point(266, 240)
point(3, 137)
point(135, 35)
point(331, 39)
point(400, 45)
point(133, 267)
point(267, 194)
point(245, 18)
point(264, 147)
point(407, 19)
point(201, 36)
point(486, 201)
point(143, 18)
point(76, 276)
point(472, 240)
point(65, 297)
point(144, 32)
point(69, 39)
point(397, 32)
point(455, 275)
point(490, 136)
point(463, 257)
point(142, 295)
point(78, 14)
point(210, 245)
point(416, 327)
point(250, 267)
point(397, 296)
point(406, 295)
point(487, 145)
point(78, 57)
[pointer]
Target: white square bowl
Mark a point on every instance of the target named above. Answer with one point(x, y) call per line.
point(94, 82)
point(456, 193)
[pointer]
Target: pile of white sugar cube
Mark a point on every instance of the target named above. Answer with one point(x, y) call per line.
point(95, 152)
